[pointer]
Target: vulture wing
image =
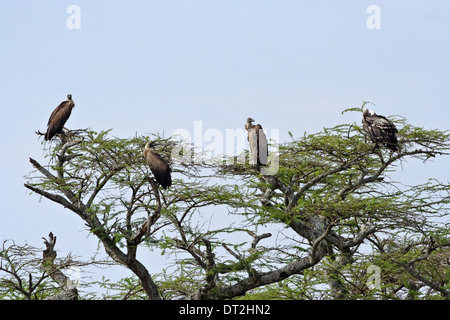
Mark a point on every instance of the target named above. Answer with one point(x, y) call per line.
point(387, 131)
point(159, 167)
point(381, 130)
point(58, 118)
point(263, 151)
point(253, 142)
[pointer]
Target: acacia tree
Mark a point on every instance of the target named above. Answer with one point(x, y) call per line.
point(332, 198)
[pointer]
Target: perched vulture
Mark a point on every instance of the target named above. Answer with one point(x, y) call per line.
point(258, 142)
point(59, 117)
point(159, 167)
point(380, 129)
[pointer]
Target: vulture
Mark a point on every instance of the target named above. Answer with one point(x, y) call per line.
point(258, 142)
point(380, 129)
point(59, 117)
point(159, 167)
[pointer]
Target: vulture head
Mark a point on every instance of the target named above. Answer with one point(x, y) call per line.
point(249, 124)
point(149, 145)
point(368, 113)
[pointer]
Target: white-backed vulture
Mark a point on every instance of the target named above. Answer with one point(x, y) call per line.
point(258, 142)
point(59, 117)
point(159, 167)
point(380, 129)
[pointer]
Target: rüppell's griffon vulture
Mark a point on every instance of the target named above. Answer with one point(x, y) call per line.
point(159, 167)
point(380, 129)
point(258, 142)
point(59, 117)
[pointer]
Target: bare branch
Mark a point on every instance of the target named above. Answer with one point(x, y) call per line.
point(63, 158)
point(69, 290)
point(360, 237)
point(56, 198)
point(211, 277)
point(313, 255)
point(257, 238)
point(63, 187)
point(234, 254)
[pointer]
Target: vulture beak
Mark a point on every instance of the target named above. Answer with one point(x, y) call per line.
point(150, 144)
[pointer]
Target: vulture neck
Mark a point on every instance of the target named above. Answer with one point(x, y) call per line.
point(148, 149)
point(71, 103)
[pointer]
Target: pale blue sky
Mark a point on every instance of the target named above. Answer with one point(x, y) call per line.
point(154, 66)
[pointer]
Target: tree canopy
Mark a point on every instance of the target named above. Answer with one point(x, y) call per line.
point(329, 224)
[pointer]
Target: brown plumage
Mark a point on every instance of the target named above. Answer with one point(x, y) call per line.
point(59, 117)
point(159, 167)
point(380, 129)
point(258, 142)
